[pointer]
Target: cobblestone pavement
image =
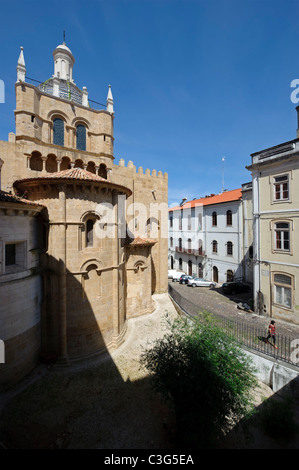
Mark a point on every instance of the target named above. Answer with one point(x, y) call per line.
point(200, 299)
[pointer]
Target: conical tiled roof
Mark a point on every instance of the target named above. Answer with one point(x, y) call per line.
point(72, 174)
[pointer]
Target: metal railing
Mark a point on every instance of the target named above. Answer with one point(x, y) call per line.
point(190, 251)
point(250, 336)
point(91, 103)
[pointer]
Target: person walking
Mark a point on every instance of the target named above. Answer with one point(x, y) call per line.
point(271, 333)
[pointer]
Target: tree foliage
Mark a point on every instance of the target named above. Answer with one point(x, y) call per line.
point(205, 374)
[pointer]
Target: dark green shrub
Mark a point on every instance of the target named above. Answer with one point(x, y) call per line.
point(206, 376)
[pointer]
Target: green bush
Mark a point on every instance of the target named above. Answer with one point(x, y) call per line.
point(205, 375)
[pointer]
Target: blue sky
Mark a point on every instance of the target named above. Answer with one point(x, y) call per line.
point(192, 80)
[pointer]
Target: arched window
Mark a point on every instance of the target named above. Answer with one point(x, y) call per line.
point(229, 218)
point(180, 244)
point(171, 262)
point(81, 137)
point(36, 162)
point(51, 164)
point(215, 246)
point(214, 219)
point(58, 131)
point(91, 167)
point(65, 164)
point(89, 232)
point(229, 248)
point(103, 171)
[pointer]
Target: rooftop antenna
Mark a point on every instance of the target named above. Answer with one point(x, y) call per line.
point(223, 160)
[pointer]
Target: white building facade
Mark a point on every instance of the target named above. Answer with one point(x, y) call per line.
point(206, 237)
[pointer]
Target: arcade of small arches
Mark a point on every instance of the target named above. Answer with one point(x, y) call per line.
point(52, 164)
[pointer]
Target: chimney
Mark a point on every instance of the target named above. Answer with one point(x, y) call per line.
point(183, 201)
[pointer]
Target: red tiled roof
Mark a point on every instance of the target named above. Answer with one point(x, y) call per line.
point(138, 241)
point(8, 197)
point(72, 173)
point(77, 174)
point(226, 196)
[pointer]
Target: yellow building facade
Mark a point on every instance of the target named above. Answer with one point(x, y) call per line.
point(275, 182)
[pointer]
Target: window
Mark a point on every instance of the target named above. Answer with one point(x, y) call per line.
point(58, 131)
point(200, 270)
point(170, 221)
point(10, 254)
point(199, 222)
point(81, 137)
point(171, 242)
point(229, 218)
point(103, 171)
point(229, 275)
point(189, 245)
point(180, 264)
point(283, 287)
point(229, 248)
point(15, 257)
point(282, 236)
point(281, 188)
point(180, 244)
point(89, 232)
point(215, 246)
point(214, 219)
point(189, 222)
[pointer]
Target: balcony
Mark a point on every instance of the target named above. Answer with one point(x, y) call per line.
point(190, 251)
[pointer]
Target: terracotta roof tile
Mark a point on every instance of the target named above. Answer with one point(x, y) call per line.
point(8, 197)
point(77, 174)
point(139, 241)
point(226, 196)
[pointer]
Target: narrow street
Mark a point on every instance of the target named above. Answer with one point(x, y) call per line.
point(200, 299)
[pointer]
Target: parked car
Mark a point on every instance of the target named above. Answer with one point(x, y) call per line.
point(184, 279)
point(176, 276)
point(200, 282)
point(234, 287)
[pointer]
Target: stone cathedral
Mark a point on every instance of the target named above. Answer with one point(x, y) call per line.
point(75, 260)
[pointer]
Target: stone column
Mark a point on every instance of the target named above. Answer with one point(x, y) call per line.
point(63, 359)
point(44, 159)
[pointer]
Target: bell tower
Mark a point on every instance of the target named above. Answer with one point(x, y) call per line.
point(63, 63)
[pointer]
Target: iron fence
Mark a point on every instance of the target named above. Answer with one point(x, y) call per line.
point(250, 336)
